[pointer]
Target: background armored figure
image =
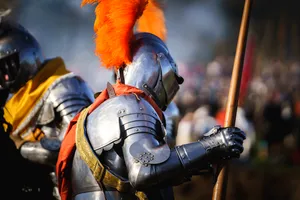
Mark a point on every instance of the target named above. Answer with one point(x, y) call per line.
point(120, 151)
point(45, 96)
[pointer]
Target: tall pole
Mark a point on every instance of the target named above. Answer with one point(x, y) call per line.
point(219, 192)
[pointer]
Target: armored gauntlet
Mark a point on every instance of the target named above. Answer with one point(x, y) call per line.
point(218, 144)
point(223, 143)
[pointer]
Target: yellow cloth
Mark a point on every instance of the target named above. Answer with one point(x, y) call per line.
point(23, 101)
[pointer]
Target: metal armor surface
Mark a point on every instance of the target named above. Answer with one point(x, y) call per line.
point(123, 135)
point(107, 127)
point(121, 117)
point(60, 104)
point(67, 99)
point(84, 185)
point(160, 79)
point(20, 55)
point(172, 116)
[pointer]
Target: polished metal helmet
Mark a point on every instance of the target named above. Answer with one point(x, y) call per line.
point(152, 70)
point(20, 56)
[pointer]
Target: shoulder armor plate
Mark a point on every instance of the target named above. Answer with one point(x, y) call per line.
point(68, 95)
point(116, 118)
point(46, 114)
point(70, 88)
point(65, 88)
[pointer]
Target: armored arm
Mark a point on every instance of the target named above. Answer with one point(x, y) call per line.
point(130, 126)
point(68, 98)
point(150, 163)
point(62, 104)
point(149, 160)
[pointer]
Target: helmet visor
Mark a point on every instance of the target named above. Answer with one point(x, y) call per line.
point(9, 68)
point(170, 78)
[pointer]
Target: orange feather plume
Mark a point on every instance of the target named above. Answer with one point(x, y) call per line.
point(153, 20)
point(114, 24)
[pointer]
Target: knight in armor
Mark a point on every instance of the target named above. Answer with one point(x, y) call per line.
point(45, 96)
point(116, 147)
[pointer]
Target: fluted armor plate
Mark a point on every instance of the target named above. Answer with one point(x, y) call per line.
point(53, 113)
point(120, 117)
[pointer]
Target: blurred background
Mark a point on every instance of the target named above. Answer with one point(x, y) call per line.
point(202, 37)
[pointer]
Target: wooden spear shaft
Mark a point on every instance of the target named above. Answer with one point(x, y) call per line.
point(219, 192)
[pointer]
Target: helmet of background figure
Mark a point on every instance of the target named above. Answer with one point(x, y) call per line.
point(20, 56)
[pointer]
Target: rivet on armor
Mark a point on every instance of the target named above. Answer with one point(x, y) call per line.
point(137, 129)
point(214, 131)
point(141, 108)
point(146, 165)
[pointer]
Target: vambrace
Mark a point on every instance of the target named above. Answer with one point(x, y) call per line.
point(141, 150)
point(193, 157)
point(176, 169)
point(43, 152)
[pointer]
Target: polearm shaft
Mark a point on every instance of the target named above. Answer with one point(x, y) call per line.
point(219, 192)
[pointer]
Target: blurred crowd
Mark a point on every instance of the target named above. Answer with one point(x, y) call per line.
point(268, 109)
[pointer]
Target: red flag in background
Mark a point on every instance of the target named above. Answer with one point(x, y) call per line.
point(247, 69)
point(246, 78)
